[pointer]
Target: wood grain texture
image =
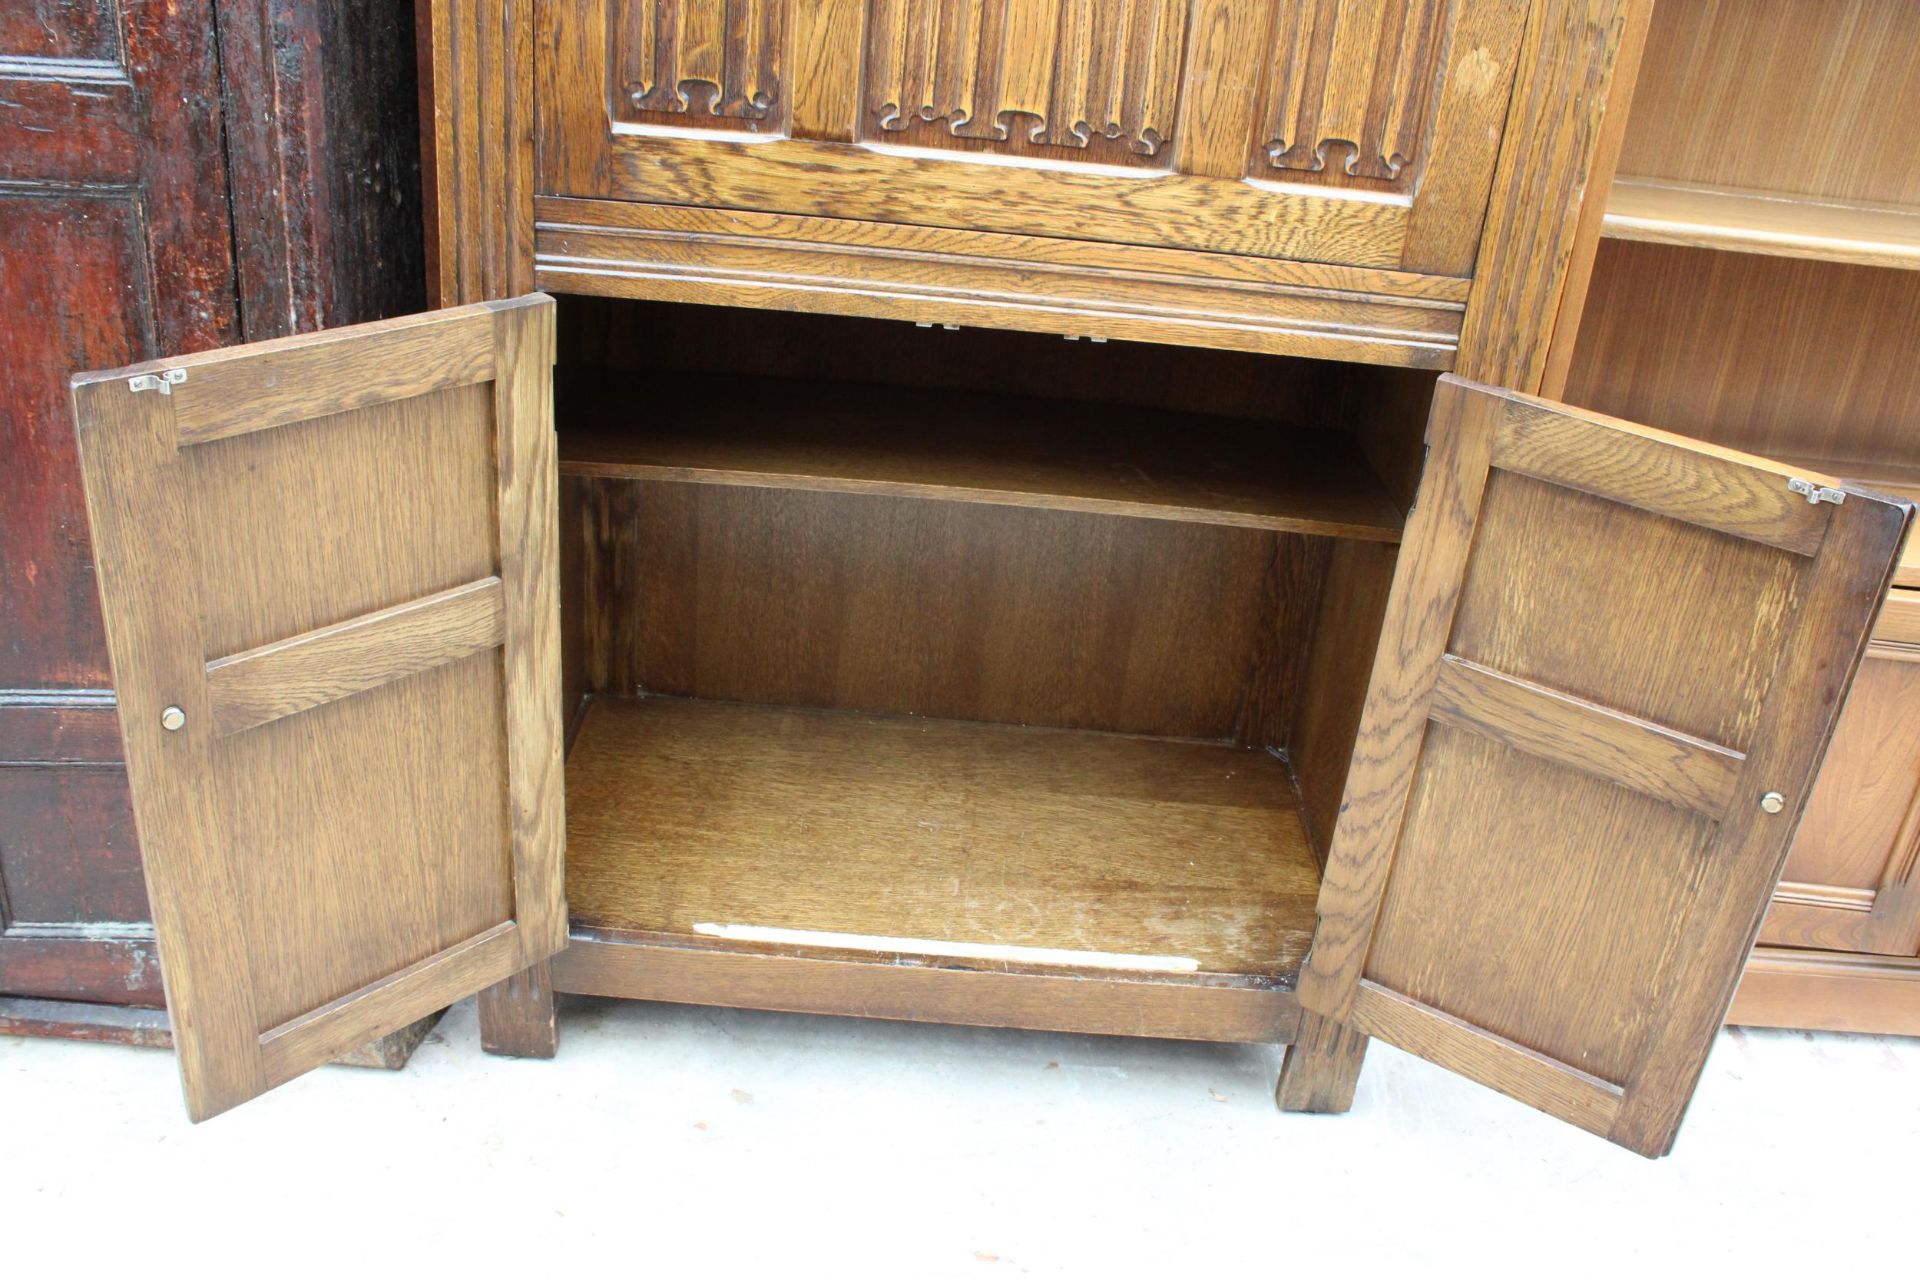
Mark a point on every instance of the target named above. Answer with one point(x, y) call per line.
point(1043, 617)
point(1042, 283)
point(1062, 82)
point(1729, 85)
point(320, 120)
point(1781, 357)
point(528, 508)
point(312, 376)
point(1829, 991)
point(1897, 634)
point(955, 833)
point(315, 667)
point(1596, 933)
point(1515, 1070)
point(1662, 473)
point(1109, 1004)
point(826, 37)
point(996, 450)
point(1824, 649)
point(1348, 98)
point(118, 245)
point(1571, 61)
point(1392, 722)
point(1852, 879)
point(476, 124)
point(702, 64)
point(828, 180)
point(152, 203)
point(396, 1000)
point(1136, 116)
point(1322, 1066)
point(1743, 221)
point(1675, 767)
point(151, 1029)
point(258, 844)
point(518, 1016)
point(1334, 680)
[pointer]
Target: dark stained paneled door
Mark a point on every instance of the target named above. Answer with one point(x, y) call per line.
point(114, 247)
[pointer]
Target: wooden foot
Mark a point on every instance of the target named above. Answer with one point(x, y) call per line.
point(517, 1017)
point(1322, 1066)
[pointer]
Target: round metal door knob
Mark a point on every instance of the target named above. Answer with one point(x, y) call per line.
point(173, 719)
point(1772, 802)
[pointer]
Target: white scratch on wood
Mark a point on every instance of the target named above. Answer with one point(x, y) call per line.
point(954, 950)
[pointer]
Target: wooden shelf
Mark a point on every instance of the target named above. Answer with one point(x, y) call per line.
point(1761, 222)
point(896, 840)
point(953, 446)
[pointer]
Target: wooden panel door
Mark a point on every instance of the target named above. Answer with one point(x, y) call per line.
point(1611, 662)
point(1359, 132)
point(328, 573)
point(116, 247)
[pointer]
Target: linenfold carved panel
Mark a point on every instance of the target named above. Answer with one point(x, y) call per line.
point(712, 64)
point(1350, 91)
point(1088, 80)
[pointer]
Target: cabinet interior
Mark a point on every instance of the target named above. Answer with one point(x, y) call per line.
point(973, 648)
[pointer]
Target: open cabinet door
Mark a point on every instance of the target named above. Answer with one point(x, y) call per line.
point(1611, 662)
point(328, 566)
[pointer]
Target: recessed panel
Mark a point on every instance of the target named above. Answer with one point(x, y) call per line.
point(321, 521)
point(384, 816)
point(1563, 958)
point(77, 29)
point(68, 852)
point(1610, 603)
point(91, 310)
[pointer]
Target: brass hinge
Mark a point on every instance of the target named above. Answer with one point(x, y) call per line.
point(164, 382)
point(1815, 493)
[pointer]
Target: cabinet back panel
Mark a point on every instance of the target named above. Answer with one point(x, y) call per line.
point(944, 609)
point(1776, 356)
point(1808, 97)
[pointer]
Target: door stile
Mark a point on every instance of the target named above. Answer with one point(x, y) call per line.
point(1393, 727)
point(529, 513)
point(141, 532)
point(1848, 583)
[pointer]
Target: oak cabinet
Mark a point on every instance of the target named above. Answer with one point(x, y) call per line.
point(709, 634)
point(1115, 714)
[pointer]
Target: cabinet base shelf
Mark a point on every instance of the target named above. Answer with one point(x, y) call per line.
point(834, 862)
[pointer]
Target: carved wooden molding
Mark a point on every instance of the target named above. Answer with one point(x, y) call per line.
point(704, 63)
point(1351, 89)
point(1080, 79)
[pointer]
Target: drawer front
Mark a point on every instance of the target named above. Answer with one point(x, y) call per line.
point(1355, 132)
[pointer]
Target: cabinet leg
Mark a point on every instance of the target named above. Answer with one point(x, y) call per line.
point(1322, 1066)
point(517, 1017)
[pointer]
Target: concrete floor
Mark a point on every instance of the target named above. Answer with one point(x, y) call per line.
point(671, 1141)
